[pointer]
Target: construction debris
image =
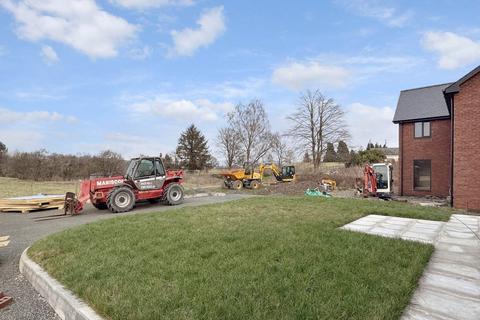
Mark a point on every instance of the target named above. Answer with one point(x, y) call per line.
point(4, 300)
point(32, 203)
point(317, 193)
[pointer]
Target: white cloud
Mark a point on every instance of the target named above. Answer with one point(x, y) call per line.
point(130, 146)
point(49, 55)
point(371, 123)
point(183, 109)
point(377, 10)
point(230, 90)
point(8, 116)
point(297, 76)
point(80, 24)
point(143, 4)
point(21, 139)
point(140, 53)
point(454, 51)
point(211, 26)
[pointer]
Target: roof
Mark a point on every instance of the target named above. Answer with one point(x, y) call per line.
point(455, 87)
point(422, 103)
point(388, 151)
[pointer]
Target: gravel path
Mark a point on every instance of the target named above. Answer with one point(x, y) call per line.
point(25, 229)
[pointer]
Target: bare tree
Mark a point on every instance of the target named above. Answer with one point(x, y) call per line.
point(228, 142)
point(250, 122)
point(317, 121)
point(281, 151)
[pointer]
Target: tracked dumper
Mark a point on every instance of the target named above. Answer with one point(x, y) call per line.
point(145, 179)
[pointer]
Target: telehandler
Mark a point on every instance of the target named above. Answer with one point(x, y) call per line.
point(146, 179)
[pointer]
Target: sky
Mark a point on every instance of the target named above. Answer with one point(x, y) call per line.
point(81, 76)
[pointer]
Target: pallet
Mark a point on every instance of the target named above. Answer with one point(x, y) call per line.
point(32, 203)
point(4, 300)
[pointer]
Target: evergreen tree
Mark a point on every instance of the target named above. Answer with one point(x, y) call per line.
point(343, 154)
point(192, 149)
point(370, 145)
point(168, 162)
point(330, 154)
point(363, 157)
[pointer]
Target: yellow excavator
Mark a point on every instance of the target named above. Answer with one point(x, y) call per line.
point(248, 177)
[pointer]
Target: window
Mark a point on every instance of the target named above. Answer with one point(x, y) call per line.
point(422, 175)
point(160, 169)
point(145, 168)
point(381, 176)
point(422, 129)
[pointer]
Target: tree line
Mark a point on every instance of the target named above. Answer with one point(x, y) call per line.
point(42, 166)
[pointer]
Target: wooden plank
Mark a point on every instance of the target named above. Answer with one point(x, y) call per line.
point(31, 203)
point(4, 243)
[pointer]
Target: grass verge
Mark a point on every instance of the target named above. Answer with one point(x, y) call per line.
point(260, 258)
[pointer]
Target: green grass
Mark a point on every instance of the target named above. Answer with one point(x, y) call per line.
point(260, 258)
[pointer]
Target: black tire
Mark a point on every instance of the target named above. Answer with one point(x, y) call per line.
point(100, 206)
point(254, 184)
point(121, 199)
point(173, 194)
point(237, 184)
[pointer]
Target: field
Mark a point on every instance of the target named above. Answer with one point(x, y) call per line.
point(10, 187)
point(258, 258)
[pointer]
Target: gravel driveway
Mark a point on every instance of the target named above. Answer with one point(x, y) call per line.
point(25, 229)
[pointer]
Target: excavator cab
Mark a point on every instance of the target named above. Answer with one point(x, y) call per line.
point(288, 173)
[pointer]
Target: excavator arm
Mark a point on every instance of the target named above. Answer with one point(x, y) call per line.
point(285, 174)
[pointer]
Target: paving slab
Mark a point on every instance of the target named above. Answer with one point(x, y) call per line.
point(396, 227)
point(450, 285)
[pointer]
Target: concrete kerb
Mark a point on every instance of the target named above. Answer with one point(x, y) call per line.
point(64, 302)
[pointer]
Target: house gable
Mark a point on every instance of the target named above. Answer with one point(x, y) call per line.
point(422, 104)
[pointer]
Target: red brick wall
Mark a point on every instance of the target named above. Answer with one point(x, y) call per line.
point(466, 162)
point(436, 148)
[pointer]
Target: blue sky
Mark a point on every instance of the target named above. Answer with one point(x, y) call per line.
point(80, 76)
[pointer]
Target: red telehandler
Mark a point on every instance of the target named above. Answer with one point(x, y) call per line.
point(145, 179)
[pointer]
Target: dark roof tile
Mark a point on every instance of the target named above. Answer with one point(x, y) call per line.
point(422, 103)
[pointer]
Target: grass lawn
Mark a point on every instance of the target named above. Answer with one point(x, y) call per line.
point(259, 258)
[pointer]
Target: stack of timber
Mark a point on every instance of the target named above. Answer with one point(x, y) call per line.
point(32, 203)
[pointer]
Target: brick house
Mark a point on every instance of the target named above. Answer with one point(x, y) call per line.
point(439, 140)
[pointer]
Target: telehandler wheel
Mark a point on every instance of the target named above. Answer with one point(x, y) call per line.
point(121, 199)
point(254, 184)
point(173, 194)
point(237, 184)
